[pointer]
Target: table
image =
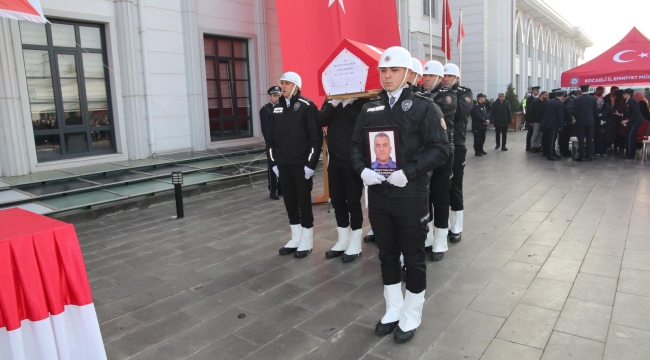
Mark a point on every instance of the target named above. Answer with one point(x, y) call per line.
point(46, 306)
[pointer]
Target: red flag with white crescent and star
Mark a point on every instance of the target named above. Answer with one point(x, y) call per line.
point(28, 10)
point(461, 32)
point(446, 26)
point(310, 30)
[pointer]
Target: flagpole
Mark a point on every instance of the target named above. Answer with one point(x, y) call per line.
point(460, 51)
point(446, 32)
point(430, 30)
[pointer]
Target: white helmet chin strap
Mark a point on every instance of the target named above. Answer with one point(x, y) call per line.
point(435, 83)
point(415, 81)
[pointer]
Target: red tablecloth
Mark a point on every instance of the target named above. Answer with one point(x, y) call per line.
point(46, 308)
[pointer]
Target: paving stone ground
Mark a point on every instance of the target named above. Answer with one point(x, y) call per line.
point(554, 264)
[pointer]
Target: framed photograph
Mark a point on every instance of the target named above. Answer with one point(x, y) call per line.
point(382, 149)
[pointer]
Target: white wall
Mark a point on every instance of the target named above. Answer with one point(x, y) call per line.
point(475, 56)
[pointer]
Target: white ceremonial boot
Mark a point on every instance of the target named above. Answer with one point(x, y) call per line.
point(410, 316)
point(428, 243)
point(341, 244)
point(306, 243)
point(292, 245)
point(439, 244)
point(455, 225)
point(394, 303)
point(354, 247)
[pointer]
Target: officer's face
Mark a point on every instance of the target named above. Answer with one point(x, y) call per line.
point(287, 86)
point(274, 98)
point(535, 92)
point(626, 96)
point(412, 78)
point(502, 97)
point(449, 80)
point(392, 78)
point(480, 100)
point(430, 81)
point(382, 149)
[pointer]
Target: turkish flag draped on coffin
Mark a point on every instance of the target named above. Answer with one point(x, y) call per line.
point(310, 30)
point(626, 63)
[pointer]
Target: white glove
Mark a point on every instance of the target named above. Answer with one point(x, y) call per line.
point(335, 102)
point(308, 173)
point(347, 102)
point(370, 177)
point(398, 179)
point(276, 171)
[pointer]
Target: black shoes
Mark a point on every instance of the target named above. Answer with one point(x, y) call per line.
point(302, 254)
point(369, 238)
point(333, 253)
point(385, 329)
point(504, 149)
point(553, 158)
point(287, 251)
point(497, 147)
point(274, 196)
point(403, 336)
point(437, 256)
point(589, 159)
point(483, 152)
point(428, 249)
point(478, 154)
point(454, 238)
point(350, 258)
point(579, 158)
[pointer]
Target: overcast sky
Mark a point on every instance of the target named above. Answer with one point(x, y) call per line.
point(606, 21)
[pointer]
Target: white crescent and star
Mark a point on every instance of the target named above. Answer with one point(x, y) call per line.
point(340, 3)
point(618, 55)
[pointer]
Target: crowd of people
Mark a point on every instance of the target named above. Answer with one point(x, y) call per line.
point(599, 121)
point(406, 147)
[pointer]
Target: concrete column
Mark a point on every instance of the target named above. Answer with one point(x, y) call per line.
point(261, 24)
point(130, 72)
point(14, 153)
point(193, 76)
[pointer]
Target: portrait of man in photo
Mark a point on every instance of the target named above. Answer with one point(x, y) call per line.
point(383, 149)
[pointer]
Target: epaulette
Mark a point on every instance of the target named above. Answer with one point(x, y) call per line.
point(305, 100)
point(424, 95)
point(464, 88)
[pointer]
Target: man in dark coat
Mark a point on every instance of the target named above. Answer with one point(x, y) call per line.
point(480, 122)
point(603, 127)
point(529, 115)
point(538, 109)
point(501, 118)
point(633, 119)
point(265, 124)
point(585, 109)
point(553, 122)
point(567, 132)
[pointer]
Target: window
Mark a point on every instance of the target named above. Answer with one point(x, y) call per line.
point(68, 87)
point(518, 41)
point(228, 80)
point(428, 5)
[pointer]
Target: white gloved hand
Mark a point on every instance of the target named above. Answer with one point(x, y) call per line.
point(347, 102)
point(335, 102)
point(276, 171)
point(308, 173)
point(370, 177)
point(398, 179)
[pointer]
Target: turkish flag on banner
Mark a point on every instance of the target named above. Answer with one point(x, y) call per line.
point(310, 30)
point(446, 41)
point(29, 10)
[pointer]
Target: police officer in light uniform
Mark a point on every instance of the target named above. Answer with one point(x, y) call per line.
point(294, 147)
point(465, 104)
point(265, 124)
point(397, 205)
point(440, 185)
point(345, 185)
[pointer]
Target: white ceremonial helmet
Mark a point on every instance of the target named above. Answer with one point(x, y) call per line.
point(452, 69)
point(396, 56)
point(433, 67)
point(293, 77)
point(416, 66)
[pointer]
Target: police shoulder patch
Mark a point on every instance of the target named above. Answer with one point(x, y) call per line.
point(443, 124)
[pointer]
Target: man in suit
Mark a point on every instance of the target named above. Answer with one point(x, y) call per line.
point(538, 109)
point(529, 115)
point(567, 132)
point(585, 109)
point(265, 124)
point(553, 122)
point(633, 120)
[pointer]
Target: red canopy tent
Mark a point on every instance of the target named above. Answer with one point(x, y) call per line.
point(626, 63)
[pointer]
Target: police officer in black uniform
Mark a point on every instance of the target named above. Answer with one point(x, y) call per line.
point(585, 110)
point(633, 119)
point(265, 124)
point(553, 122)
point(529, 115)
point(397, 205)
point(339, 116)
point(294, 146)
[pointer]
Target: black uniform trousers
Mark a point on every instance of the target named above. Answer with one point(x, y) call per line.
point(479, 140)
point(529, 134)
point(501, 132)
point(565, 139)
point(272, 179)
point(439, 189)
point(588, 132)
point(456, 193)
point(549, 139)
point(297, 195)
point(400, 227)
point(346, 189)
point(631, 138)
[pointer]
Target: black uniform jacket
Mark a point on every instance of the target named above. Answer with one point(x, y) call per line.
point(421, 138)
point(633, 112)
point(529, 109)
point(606, 113)
point(554, 115)
point(265, 119)
point(293, 135)
point(340, 126)
point(446, 100)
point(539, 108)
point(568, 110)
point(500, 115)
point(479, 116)
point(465, 104)
point(585, 109)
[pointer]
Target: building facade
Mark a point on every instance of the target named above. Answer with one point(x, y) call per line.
point(523, 42)
point(148, 77)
